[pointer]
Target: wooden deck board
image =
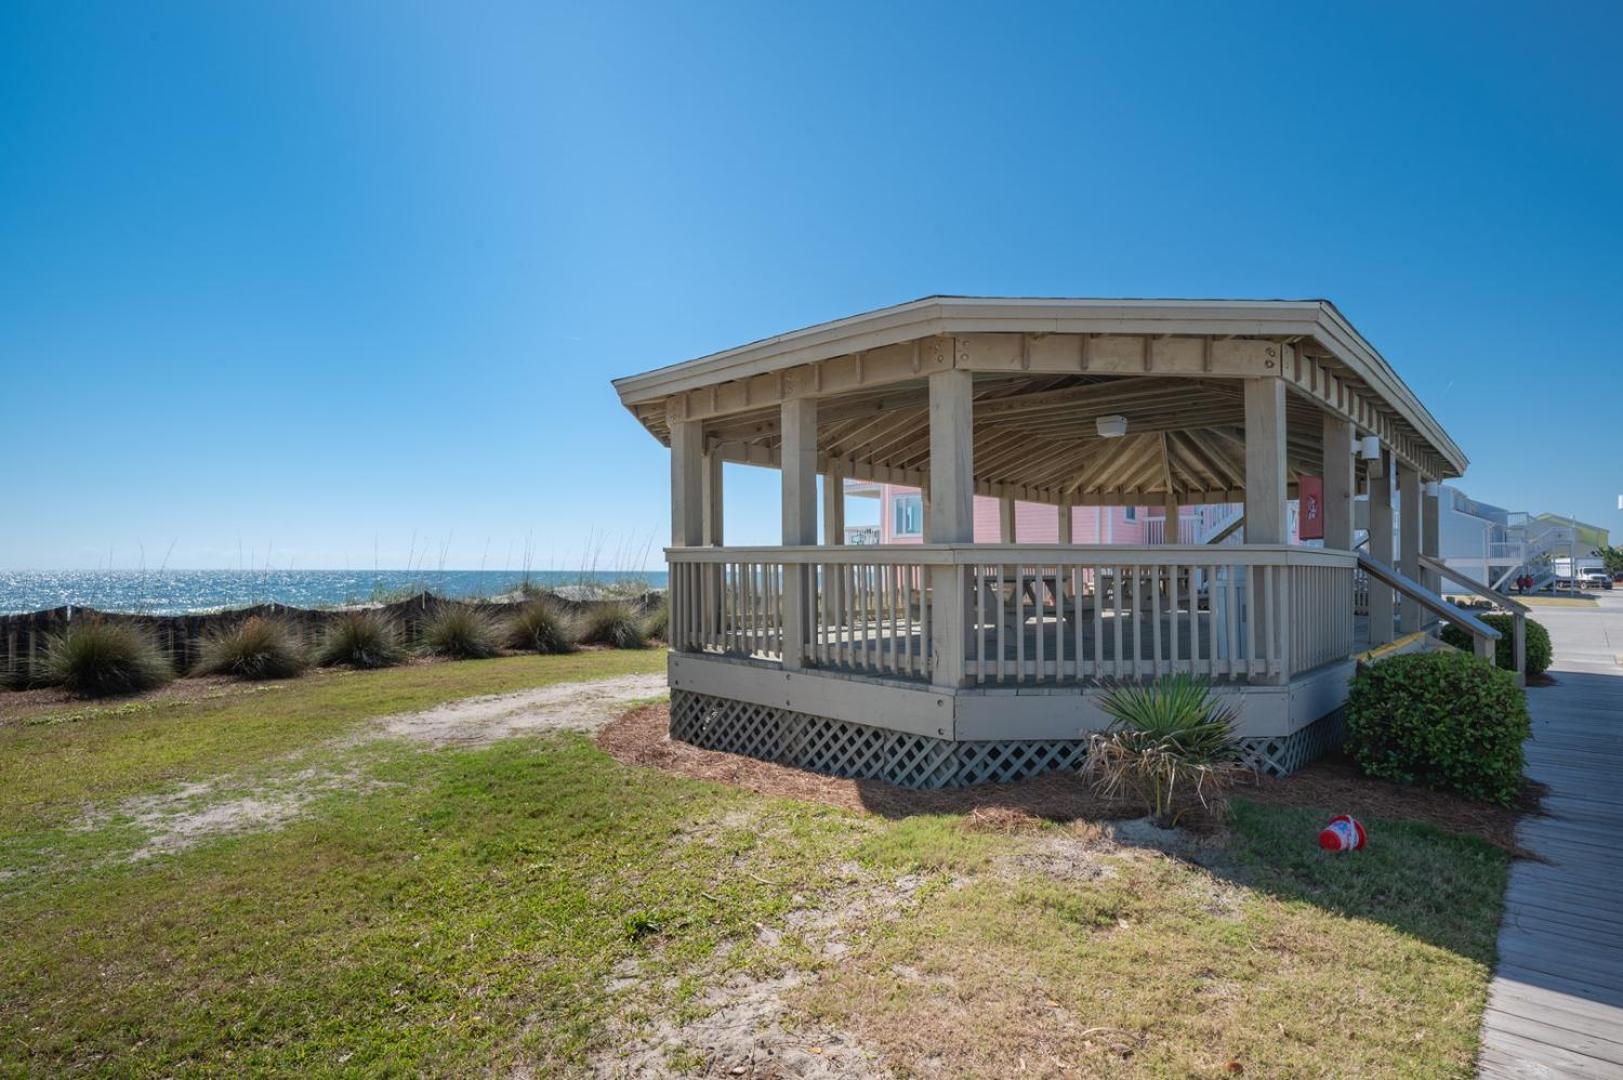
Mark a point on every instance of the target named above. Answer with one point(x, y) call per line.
point(1555, 1007)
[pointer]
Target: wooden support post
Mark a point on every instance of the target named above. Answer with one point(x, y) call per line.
point(1005, 519)
point(834, 505)
point(952, 516)
point(1430, 540)
point(1340, 483)
point(1409, 541)
point(713, 532)
point(1065, 516)
point(799, 465)
point(1380, 546)
point(1265, 461)
point(1170, 530)
point(1519, 646)
point(687, 483)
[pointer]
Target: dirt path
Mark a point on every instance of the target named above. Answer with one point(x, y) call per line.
point(190, 813)
point(583, 706)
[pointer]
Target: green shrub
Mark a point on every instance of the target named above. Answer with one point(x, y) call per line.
point(1539, 650)
point(1442, 719)
point(103, 657)
point(614, 624)
point(461, 633)
point(1164, 738)
point(656, 623)
point(540, 626)
point(362, 639)
point(255, 648)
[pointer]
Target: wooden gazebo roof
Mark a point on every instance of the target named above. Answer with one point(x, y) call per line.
point(1045, 371)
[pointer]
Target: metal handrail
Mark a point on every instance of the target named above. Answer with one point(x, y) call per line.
point(1483, 636)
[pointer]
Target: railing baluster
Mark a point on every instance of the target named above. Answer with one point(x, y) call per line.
point(1231, 640)
point(977, 576)
point(1156, 668)
point(1001, 619)
point(1098, 672)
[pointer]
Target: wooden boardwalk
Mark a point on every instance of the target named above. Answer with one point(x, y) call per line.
point(1555, 1008)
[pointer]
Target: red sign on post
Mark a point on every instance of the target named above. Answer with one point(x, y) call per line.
point(1310, 490)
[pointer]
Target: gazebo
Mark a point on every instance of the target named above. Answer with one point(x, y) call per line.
point(952, 662)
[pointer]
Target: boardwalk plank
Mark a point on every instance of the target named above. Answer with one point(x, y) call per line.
point(1555, 1007)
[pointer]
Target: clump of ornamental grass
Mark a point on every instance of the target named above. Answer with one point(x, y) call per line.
point(656, 623)
point(255, 648)
point(104, 657)
point(541, 626)
point(461, 632)
point(1167, 740)
point(362, 639)
point(616, 625)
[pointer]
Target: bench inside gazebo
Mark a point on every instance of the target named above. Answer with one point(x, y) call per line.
point(952, 662)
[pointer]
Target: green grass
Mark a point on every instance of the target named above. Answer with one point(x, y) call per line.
point(530, 904)
point(57, 759)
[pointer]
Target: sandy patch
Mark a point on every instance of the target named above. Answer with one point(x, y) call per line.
point(743, 1034)
point(188, 814)
point(744, 1024)
point(580, 706)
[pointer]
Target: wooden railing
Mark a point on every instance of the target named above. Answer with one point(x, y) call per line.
point(1019, 614)
point(1518, 610)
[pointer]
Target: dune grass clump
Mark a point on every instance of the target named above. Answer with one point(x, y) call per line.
point(656, 624)
point(103, 658)
point(541, 626)
point(616, 625)
point(255, 648)
point(362, 639)
point(461, 632)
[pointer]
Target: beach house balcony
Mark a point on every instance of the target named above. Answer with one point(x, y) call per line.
point(945, 661)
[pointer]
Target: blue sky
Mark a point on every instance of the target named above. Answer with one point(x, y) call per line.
point(323, 284)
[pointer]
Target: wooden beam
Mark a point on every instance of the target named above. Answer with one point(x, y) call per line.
point(798, 466)
point(834, 505)
point(952, 464)
point(687, 483)
point(1265, 461)
point(1380, 547)
point(1339, 482)
point(798, 463)
point(952, 515)
point(1409, 542)
point(714, 533)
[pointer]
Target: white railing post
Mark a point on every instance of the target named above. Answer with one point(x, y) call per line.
point(952, 515)
point(798, 461)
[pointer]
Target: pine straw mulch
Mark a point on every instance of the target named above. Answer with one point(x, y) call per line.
point(642, 737)
point(1334, 786)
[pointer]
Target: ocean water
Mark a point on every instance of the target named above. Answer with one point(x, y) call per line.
point(175, 592)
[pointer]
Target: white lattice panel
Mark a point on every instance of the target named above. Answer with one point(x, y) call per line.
point(1284, 754)
point(840, 748)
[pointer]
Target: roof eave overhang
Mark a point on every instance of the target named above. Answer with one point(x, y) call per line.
point(945, 315)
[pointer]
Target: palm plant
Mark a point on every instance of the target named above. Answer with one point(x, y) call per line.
point(255, 648)
point(1164, 738)
point(362, 639)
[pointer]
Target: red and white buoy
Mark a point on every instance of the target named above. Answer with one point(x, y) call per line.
point(1344, 833)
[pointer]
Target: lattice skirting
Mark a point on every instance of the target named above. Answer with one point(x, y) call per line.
point(1281, 755)
point(841, 748)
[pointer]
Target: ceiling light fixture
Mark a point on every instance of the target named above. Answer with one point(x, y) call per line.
point(1111, 427)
